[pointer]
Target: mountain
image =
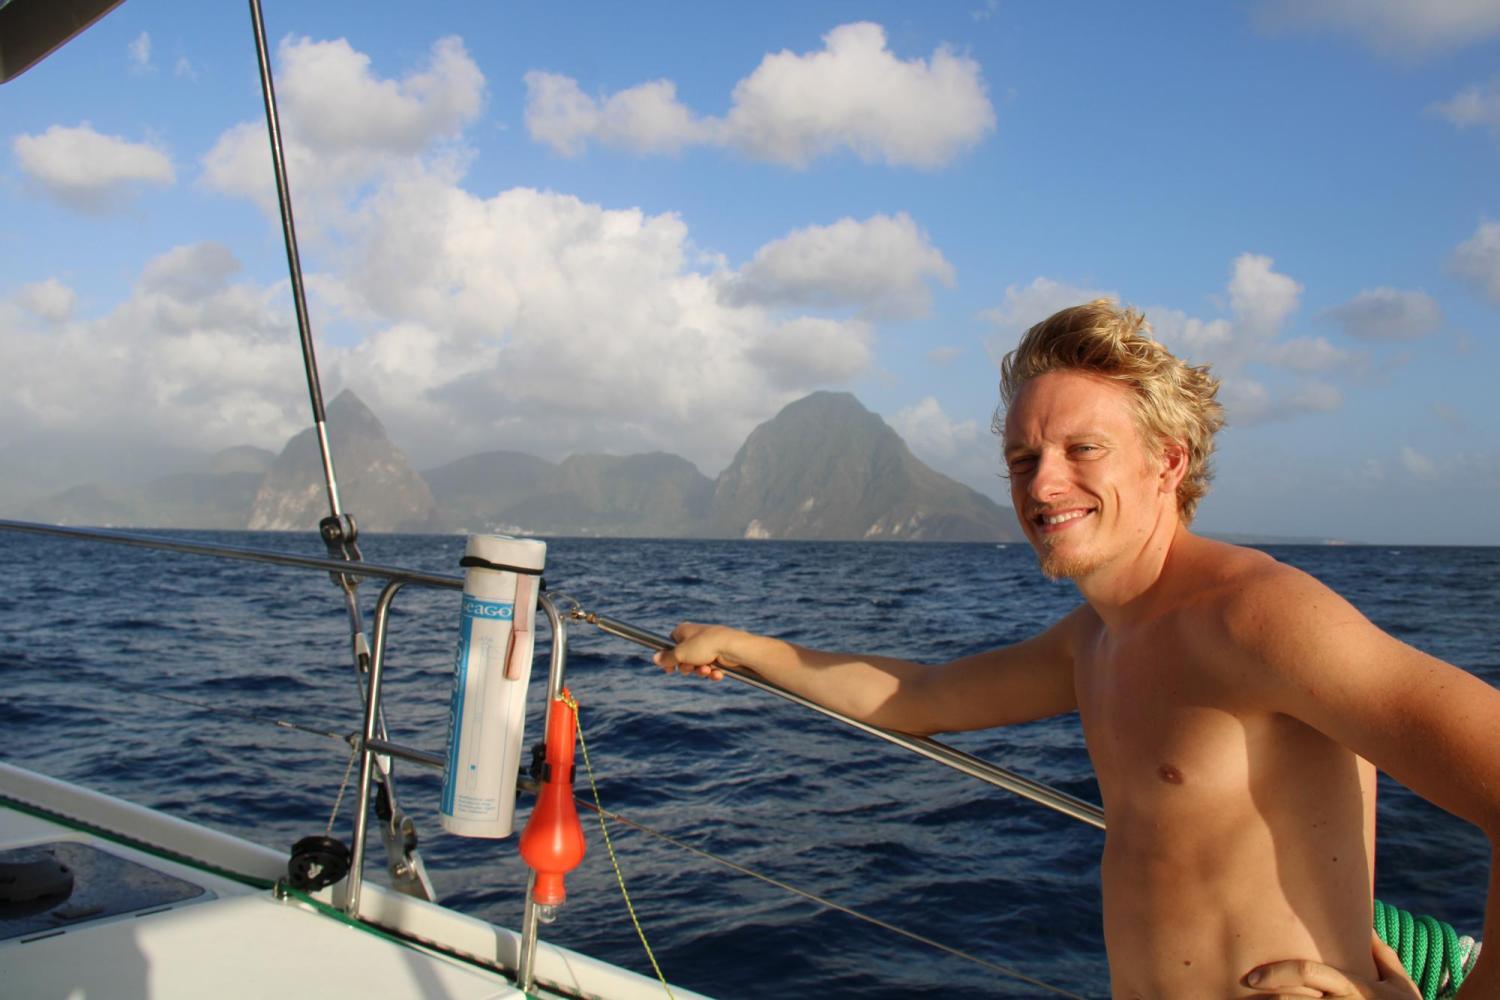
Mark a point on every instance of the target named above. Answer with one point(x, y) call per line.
point(826, 467)
point(376, 483)
point(475, 492)
point(217, 495)
point(653, 495)
point(823, 468)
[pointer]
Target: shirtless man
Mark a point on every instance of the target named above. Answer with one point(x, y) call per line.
point(1235, 709)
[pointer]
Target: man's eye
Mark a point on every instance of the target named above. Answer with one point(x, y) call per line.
point(1022, 464)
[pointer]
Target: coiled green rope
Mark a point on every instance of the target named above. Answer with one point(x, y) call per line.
point(1435, 957)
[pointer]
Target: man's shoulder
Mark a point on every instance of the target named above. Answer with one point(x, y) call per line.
point(1221, 586)
point(1248, 601)
point(1220, 573)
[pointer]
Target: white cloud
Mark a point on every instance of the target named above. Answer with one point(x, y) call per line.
point(1025, 307)
point(1262, 301)
point(808, 351)
point(932, 435)
point(493, 313)
point(1312, 397)
point(140, 53)
point(335, 104)
point(880, 266)
point(1405, 29)
point(1388, 314)
point(853, 95)
point(189, 272)
point(646, 118)
point(200, 365)
point(50, 300)
point(560, 114)
point(1416, 463)
point(1249, 402)
point(1473, 106)
point(1246, 402)
point(1477, 260)
point(961, 449)
point(857, 95)
point(1312, 354)
point(1451, 416)
point(1190, 336)
point(88, 170)
point(343, 127)
point(1261, 298)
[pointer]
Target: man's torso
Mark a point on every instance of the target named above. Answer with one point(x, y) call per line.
point(1236, 835)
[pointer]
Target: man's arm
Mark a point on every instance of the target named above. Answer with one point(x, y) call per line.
point(1032, 679)
point(1430, 725)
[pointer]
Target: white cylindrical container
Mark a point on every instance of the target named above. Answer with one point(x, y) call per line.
point(491, 671)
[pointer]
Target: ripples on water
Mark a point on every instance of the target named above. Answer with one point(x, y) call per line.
point(90, 636)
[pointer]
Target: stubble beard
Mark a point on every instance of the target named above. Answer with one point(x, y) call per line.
point(1057, 565)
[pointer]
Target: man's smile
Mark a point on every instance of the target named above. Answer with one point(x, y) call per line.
point(1048, 522)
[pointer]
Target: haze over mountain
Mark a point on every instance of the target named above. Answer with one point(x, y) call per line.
point(219, 494)
point(826, 467)
point(823, 468)
point(375, 481)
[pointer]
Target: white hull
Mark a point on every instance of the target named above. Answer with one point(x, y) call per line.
point(239, 939)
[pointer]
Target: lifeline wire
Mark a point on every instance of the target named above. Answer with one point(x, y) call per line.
point(599, 810)
point(602, 813)
point(572, 703)
point(347, 739)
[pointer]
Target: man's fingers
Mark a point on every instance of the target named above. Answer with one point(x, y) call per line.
point(669, 660)
point(1301, 978)
point(1395, 981)
point(1387, 962)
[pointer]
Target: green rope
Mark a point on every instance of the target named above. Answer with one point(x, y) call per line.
point(1435, 957)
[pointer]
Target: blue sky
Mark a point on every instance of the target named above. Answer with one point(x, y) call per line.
point(618, 228)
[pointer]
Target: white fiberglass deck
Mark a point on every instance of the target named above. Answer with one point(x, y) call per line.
point(237, 940)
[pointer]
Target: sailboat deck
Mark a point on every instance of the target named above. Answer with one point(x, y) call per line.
point(219, 929)
point(230, 940)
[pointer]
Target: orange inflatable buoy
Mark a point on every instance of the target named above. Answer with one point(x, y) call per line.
point(552, 843)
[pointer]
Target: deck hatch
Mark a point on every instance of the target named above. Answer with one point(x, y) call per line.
point(104, 886)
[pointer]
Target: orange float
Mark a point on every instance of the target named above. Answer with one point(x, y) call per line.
point(552, 843)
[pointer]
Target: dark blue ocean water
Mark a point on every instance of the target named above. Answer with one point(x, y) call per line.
point(92, 637)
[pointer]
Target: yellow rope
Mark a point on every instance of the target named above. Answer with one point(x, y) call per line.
point(572, 703)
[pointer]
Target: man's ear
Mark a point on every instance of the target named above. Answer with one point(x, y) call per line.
point(1173, 464)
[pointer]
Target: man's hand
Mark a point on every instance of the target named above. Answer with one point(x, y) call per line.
point(1304, 978)
point(699, 650)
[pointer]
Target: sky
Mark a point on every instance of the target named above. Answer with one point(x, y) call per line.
point(615, 228)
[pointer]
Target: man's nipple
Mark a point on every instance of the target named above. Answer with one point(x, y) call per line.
point(1169, 774)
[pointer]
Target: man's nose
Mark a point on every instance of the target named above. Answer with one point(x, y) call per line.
point(1049, 478)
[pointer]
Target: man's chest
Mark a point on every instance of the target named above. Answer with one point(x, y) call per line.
point(1161, 729)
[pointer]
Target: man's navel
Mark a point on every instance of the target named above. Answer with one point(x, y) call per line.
point(1169, 774)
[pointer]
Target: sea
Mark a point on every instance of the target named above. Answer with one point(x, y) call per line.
point(770, 852)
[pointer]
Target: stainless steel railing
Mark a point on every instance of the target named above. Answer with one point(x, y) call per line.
point(1052, 798)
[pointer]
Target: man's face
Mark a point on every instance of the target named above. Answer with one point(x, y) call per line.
point(1086, 489)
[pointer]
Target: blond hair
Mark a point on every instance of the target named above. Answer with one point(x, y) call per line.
point(1172, 400)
